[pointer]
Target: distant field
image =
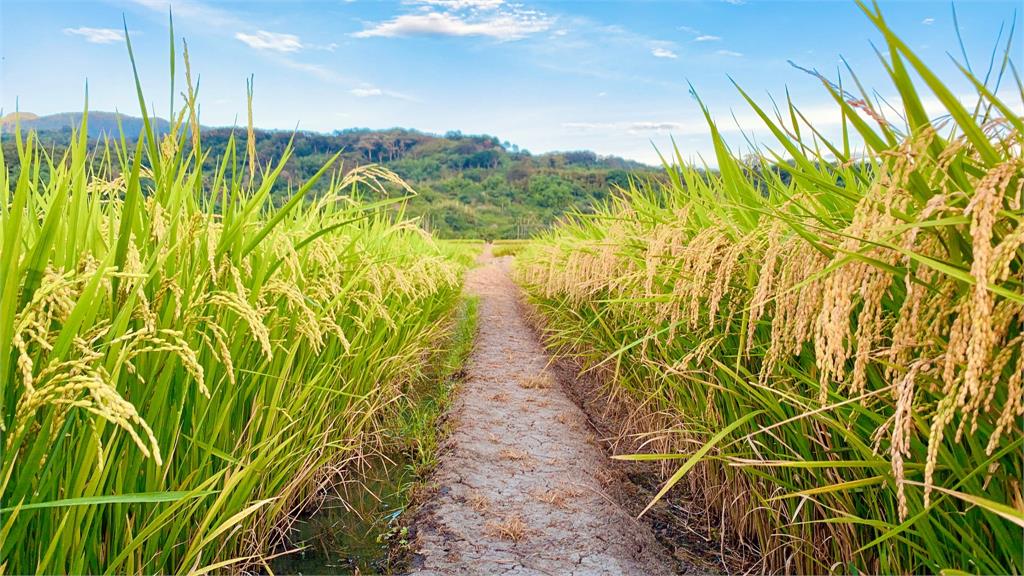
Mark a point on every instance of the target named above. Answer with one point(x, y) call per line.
point(509, 247)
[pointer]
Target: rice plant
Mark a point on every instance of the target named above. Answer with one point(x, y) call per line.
point(823, 342)
point(186, 365)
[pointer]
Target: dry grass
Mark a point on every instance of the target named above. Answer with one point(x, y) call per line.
point(605, 478)
point(478, 502)
point(559, 497)
point(512, 528)
point(514, 454)
point(542, 380)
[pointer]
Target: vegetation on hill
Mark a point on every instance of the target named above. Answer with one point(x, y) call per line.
point(831, 362)
point(467, 186)
point(101, 124)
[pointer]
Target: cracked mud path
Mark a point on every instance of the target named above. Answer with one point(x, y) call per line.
point(522, 487)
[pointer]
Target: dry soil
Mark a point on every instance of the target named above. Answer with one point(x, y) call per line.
point(523, 485)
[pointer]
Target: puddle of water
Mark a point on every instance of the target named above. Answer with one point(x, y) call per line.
point(354, 530)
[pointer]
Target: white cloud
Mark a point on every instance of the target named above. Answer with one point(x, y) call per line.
point(638, 127)
point(366, 92)
point(463, 4)
point(735, 2)
point(97, 35)
point(699, 36)
point(460, 18)
point(369, 91)
point(928, 21)
point(278, 48)
point(276, 41)
point(325, 47)
point(654, 126)
point(501, 27)
point(732, 53)
point(663, 53)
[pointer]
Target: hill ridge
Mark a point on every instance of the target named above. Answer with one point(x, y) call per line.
point(468, 185)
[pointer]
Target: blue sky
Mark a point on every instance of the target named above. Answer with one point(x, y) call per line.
point(608, 76)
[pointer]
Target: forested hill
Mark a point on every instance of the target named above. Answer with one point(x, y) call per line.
point(468, 186)
point(100, 123)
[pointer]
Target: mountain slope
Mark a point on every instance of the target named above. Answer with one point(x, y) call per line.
point(467, 185)
point(100, 123)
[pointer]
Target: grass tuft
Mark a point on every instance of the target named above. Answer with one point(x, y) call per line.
point(512, 529)
point(539, 381)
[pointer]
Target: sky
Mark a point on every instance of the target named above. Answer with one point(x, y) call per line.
point(609, 76)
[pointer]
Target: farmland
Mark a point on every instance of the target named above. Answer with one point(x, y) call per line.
point(226, 355)
point(192, 365)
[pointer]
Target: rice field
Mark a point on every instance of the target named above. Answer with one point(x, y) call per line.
point(822, 344)
point(509, 247)
point(190, 365)
point(824, 341)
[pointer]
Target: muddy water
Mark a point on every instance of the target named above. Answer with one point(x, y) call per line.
point(355, 530)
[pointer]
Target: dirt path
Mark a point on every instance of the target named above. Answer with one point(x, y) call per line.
point(523, 485)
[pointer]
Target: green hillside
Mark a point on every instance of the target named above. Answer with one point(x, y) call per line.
point(467, 185)
point(100, 123)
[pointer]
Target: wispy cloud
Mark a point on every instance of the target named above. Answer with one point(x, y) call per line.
point(699, 36)
point(663, 53)
point(210, 16)
point(928, 21)
point(279, 48)
point(366, 92)
point(263, 40)
point(369, 91)
point(584, 51)
point(460, 18)
point(464, 4)
point(322, 72)
point(731, 53)
point(821, 115)
point(637, 127)
point(97, 35)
